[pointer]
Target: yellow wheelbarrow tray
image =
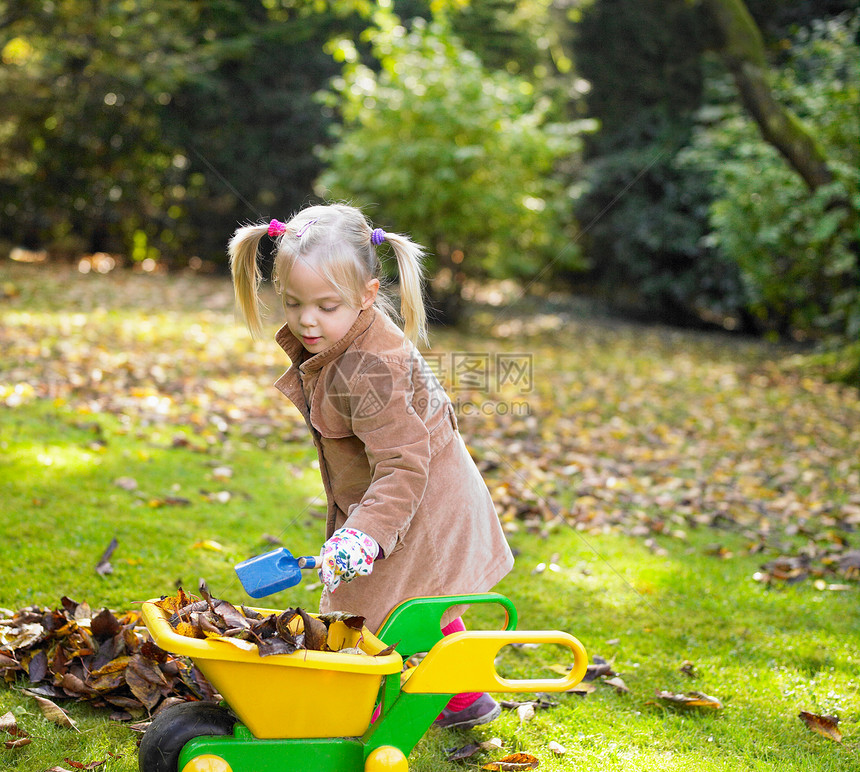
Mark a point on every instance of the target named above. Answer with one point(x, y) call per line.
point(313, 709)
point(287, 695)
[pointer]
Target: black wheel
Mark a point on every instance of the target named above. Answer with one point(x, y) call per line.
point(175, 726)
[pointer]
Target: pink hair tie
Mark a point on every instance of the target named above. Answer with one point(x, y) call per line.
point(277, 228)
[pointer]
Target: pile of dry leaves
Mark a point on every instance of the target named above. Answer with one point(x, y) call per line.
point(72, 652)
point(268, 633)
point(111, 661)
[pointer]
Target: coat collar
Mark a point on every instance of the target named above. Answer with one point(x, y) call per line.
point(299, 356)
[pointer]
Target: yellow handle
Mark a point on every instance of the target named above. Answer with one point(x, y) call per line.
point(464, 662)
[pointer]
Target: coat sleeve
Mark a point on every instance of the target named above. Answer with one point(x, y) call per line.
point(397, 444)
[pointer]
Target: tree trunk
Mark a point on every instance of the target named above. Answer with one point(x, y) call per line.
point(742, 49)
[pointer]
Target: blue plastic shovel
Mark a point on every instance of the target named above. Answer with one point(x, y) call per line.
point(277, 570)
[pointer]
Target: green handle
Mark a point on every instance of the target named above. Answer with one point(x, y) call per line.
point(416, 624)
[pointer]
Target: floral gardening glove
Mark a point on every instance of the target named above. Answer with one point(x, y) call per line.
point(347, 554)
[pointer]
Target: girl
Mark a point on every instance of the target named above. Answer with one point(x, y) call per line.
point(408, 512)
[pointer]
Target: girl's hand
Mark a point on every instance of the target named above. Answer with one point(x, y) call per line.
point(347, 554)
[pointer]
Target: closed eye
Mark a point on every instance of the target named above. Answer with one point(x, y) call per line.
point(330, 309)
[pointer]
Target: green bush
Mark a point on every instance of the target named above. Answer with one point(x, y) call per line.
point(463, 159)
point(796, 249)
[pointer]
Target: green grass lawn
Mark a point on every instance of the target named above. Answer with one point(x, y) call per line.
point(658, 471)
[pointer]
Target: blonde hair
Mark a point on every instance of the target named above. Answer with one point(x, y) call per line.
point(339, 237)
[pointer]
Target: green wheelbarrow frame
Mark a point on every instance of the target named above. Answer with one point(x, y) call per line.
point(461, 662)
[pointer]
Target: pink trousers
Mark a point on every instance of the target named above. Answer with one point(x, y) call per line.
point(458, 701)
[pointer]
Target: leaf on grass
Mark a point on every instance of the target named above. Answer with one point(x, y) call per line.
point(788, 569)
point(208, 544)
point(539, 704)
point(826, 726)
point(823, 586)
point(466, 752)
point(514, 762)
point(581, 688)
point(560, 669)
point(688, 669)
point(493, 744)
point(556, 748)
point(600, 667)
point(85, 765)
point(691, 700)
point(52, 711)
point(618, 684)
point(9, 724)
point(103, 567)
point(525, 713)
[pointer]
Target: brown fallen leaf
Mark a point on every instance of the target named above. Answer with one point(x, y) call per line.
point(9, 724)
point(596, 669)
point(52, 711)
point(103, 567)
point(145, 680)
point(316, 632)
point(826, 726)
point(581, 688)
point(514, 762)
point(465, 752)
point(691, 700)
point(85, 765)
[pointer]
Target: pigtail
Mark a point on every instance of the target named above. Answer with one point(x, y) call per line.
point(246, 274)
point(409, 256)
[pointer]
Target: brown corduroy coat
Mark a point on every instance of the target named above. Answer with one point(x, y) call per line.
point(394, 466)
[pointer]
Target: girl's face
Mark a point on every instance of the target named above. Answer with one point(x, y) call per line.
point(316, 314)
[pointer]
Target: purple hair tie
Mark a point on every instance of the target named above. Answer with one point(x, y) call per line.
point(377, 236)
point(301, 231)
point(277, 228)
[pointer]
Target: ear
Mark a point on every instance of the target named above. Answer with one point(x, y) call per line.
point(371, 289)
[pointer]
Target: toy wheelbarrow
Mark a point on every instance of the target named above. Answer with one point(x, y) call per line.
point(313, 709)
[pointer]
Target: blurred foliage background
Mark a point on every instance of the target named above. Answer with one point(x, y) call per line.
point(688, 161)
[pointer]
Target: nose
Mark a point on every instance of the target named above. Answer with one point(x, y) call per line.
point(307, 318)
